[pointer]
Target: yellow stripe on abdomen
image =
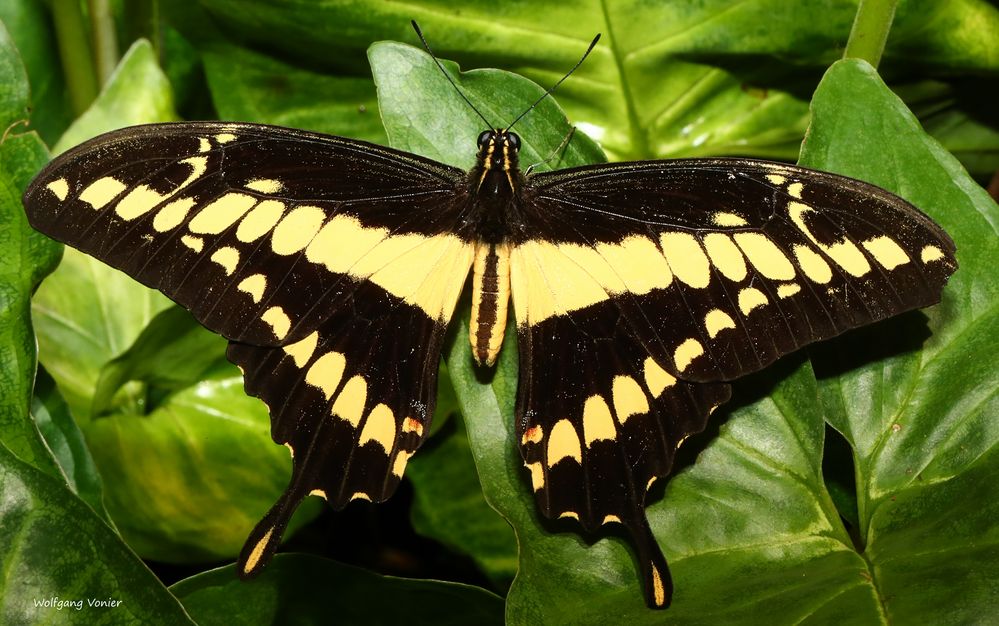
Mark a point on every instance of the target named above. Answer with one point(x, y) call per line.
point(490, 299)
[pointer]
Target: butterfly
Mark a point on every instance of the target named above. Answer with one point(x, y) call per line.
point(639, 290)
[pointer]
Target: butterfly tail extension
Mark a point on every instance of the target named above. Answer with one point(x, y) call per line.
point(656, 578)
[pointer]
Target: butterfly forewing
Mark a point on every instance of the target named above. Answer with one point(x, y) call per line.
point(722, 266)
point(260, 231)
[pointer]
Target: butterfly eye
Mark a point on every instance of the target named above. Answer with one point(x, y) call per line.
point(484, 137)
point(514, 140)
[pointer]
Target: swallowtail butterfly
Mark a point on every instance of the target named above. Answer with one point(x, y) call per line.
point(333, 267)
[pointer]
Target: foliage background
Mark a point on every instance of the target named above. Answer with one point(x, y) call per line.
point(133, 464)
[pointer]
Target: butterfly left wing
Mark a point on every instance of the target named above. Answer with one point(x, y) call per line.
point(652, 283)
point(332, 265)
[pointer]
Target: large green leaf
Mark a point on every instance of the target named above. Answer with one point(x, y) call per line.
point(301, 589)
point(669, 78)
point(922, 422)
point(60, 559)
point(750, 528)
point(28, 24)
point(250, 86)
point(25, 257)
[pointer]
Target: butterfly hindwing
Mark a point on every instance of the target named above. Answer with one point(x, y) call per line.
point(259, 231)
point(352, 401)
point(600, 428)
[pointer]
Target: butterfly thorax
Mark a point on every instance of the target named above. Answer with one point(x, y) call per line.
point(495, 184)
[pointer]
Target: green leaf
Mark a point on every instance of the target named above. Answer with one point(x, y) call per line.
point(63, 437)
point(25, 257)
point(250, 86)
point(57, 550)
point(668, 79)
point(437, 126)
point(301, 589)
point(28, 24)
point(187, 482)
point(921, 421)
point(171, 353)
point(137, 93)
point(448, 504)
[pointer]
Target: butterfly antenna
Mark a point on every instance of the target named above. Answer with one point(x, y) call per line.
point(419, 34)
point(561, 80)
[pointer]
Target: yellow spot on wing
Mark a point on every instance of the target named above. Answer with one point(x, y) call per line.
point(428, 272)
point(254, 285)
point(765, 256)
point(716, 321)
point(725, 256)
point(326, 372)
point(658, 591)
point(534, 434)
point(629, 399)
point(686, 258)
point(545, 282)
point(931, 253)
point(751, 298)
point(812, 264)
point(228, 258)
point(569, 515)
point(261, 219)
point(794, 190)
point(776, 179)
point(257, 552)
point(279, 322)
point(611, 519)
point(845, 253)
point(360, 495)
point(100, 192)
point(401, 459)
point(563, 443)
point(138, 202)
point(204, 145)
point(221, 213)
point(786, 291)
point(172, 214)
point(301, 351)
point(265, 185)
point(537, 475)
point(656, 378)
point(410, 425)
point(722, 218)
point(194, 243)
point(225, 137)
point(297, 229)
point(349, 404)
point(380, 428)
point(597, 421)
point(59, 187)
point(886, 252)
point(689, 350)
point(318, 492)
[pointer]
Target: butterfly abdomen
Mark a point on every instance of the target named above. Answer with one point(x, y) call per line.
point(490, 296)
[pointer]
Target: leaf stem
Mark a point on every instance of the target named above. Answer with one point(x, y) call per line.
point(105, 41)
point(74, 52)
point(870, 30)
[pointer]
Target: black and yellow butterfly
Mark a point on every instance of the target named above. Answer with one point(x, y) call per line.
point(334, 266)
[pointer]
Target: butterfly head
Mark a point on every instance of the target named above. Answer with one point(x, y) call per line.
point(498, 149)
